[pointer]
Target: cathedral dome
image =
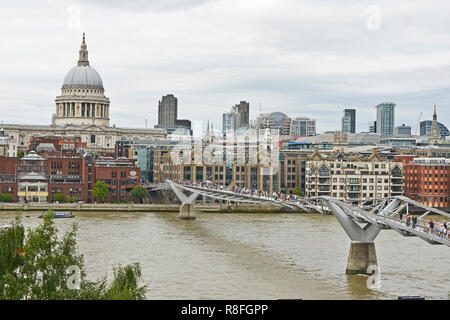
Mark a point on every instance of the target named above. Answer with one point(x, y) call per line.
point(83, 76)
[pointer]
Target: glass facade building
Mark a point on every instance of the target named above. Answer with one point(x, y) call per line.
point(385, 118)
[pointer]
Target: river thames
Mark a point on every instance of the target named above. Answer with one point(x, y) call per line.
point(251, 256)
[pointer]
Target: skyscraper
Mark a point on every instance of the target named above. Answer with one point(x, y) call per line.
point(238, 118)
point(349, 121)
point(373, 127)
point(226, 122)
point(241, 115)
point(385, 118)
point(167, 111)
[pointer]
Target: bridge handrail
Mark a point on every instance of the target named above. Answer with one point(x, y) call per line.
point(394, 223)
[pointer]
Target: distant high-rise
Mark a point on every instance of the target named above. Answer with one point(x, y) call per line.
point(238, 118)
point(241, 115)
point(373, 127)
point(385, 118)
point(167, 111)
point(349, 121)
point(226, 122)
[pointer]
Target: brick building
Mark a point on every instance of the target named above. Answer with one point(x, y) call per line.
point(426, 180)
point(8, 176)
point(38, 177)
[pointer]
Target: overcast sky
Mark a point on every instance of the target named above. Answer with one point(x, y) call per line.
point(304, 58)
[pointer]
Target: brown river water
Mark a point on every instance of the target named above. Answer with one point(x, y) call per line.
point(251, 256)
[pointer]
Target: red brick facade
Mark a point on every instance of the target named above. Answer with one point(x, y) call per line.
point(75, 176)
point(427, 180)
point(8, 176)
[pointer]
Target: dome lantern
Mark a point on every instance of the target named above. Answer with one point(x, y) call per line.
point(83, 76)
point(83, 59)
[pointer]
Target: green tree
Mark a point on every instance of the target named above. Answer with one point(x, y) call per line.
point(20, 154)
point(101, 190)
point(6, 197)
point(60, 197)
point(139, 193)
point(41, 266)
point(298, 192)
point(73, 199)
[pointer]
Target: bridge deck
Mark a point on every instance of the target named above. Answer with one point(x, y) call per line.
point(380, 214)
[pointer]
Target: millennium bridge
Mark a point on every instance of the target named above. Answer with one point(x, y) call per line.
point(362, 223)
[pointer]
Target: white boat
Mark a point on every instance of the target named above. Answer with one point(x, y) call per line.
point(59, 214)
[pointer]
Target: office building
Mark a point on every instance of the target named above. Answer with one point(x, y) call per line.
point(167, 111)
point(373, 127)
point(348, 124)
point(226, 122)
point(402, 130)
point(303, 126)
point(385, 118)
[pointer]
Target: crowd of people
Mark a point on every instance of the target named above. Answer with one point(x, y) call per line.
point(440, 230)
point(431, 227)
point(245, 191)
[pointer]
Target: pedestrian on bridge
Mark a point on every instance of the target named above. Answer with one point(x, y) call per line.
point(414, 222)
point(431, 225)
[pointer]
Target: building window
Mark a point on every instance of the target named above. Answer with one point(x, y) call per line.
point(323, 171)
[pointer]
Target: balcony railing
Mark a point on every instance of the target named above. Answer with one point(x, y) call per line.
point(65, 179)
point(11, 178)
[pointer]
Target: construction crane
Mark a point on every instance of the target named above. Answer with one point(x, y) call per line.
point(418, 124)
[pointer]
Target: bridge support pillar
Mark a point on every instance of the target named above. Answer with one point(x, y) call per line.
point(362, 255)
point(187, 211)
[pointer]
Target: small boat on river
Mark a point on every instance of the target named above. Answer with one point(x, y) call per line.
point(59, 214)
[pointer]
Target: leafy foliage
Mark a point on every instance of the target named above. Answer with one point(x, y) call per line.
point(6, 197)
point(298, 192)
point(37, 267)
point(61, 198)
point(101, 190)
point(139, 192)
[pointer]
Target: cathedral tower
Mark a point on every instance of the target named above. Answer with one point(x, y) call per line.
point(82, 100)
